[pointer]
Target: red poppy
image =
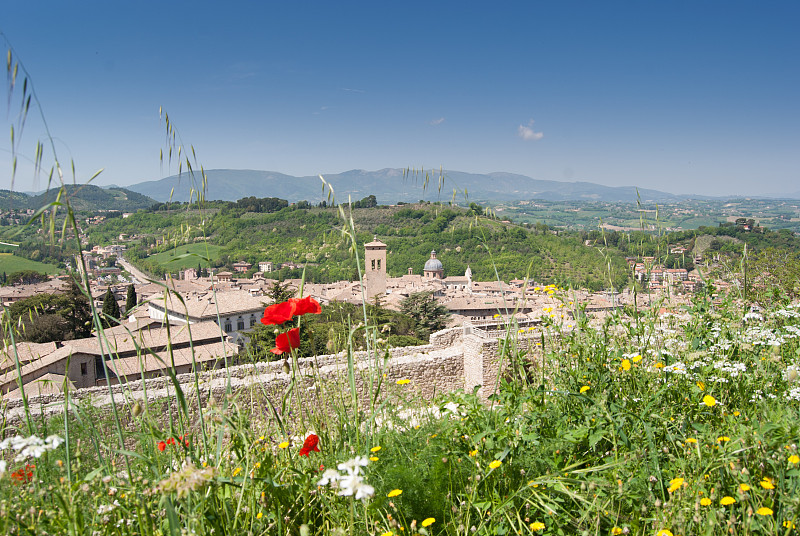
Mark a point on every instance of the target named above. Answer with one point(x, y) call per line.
point(306, 305)
point(286, 342)
point(162, 446)
point(278, 313)
point(23, 475)
point(309, 445)
point(171, 441)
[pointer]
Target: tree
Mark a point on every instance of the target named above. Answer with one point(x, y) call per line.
point(110, 312)
point(130, 299)
point(52, 317)
point(280, 292)
point(428, 314)
point(27, 277)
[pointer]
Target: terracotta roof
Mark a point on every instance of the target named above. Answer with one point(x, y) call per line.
point(131, 367)
point(207, 305)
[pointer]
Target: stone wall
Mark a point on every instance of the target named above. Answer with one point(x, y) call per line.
point(455, 359)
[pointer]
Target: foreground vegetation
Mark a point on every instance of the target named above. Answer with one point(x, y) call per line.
point(687, 423)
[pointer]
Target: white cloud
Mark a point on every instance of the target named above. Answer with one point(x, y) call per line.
point(527, 133)
point(436, 122)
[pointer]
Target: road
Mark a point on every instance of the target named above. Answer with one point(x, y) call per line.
point(137, 275)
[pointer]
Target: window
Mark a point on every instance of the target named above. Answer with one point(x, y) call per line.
point(379, 264)
point(373, 264)
point(84, 370)
point(228, 326)
point(240, 324)
point(252, 321)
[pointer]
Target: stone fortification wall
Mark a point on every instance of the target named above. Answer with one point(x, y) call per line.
point(454, 360)
point(431, 369)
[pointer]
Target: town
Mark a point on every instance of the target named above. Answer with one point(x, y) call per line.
point(203, 321)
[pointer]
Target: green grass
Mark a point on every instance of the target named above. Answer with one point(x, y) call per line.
point(10, 263)
point(171, 259)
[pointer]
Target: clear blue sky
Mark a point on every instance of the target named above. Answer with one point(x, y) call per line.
point(680, 96)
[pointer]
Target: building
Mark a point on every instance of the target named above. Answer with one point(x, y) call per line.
point(375, 268)
point(234, 311)
point(241, 266)
point(128, 352)
point(433, 267)
point(265, 266)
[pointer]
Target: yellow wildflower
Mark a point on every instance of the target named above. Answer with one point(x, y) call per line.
point(722, 439)
point(764, 511)
point(636, 358)
point(744, 487)
point(260, 515)
point(584, 388)
point(537, 526)
point(664, 532)
point(709, 401)
point(284, 445)
point(794, 459)
point(626, 364)
point(766, 483)
point(428, 522)
point(705, 501)
point(403, 382)
point(725, 501)
point(473, 452)
point(691, 440)
point(495, 464)
point(237, 471)
point(376, 448)
point(373, 458)
point(616, 531)
point(674, 484)
point(395, 493)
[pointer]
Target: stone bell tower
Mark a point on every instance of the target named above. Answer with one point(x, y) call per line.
point(375, 268)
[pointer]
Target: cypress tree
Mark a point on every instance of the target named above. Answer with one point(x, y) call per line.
point(130, 300)
point(110, 310)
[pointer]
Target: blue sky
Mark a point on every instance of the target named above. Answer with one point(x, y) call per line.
point(680, 96)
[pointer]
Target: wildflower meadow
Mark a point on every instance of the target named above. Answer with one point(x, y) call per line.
point(684, 422)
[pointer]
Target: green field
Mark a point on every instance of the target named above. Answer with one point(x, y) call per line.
point(172, 260)
point(10, 263)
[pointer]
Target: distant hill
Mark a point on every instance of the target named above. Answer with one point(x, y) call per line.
point(391, 185)
point(83, 198)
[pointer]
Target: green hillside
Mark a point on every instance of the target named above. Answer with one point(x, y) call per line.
point(313, 235)
point(10, 263)
point(84, 198)
point(174, 259)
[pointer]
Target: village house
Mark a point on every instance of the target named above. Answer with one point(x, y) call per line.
point(128, 352)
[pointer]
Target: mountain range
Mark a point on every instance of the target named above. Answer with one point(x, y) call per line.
point(391, 185)
point(83, 197)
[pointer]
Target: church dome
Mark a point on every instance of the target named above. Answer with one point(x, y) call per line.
point(433, 264)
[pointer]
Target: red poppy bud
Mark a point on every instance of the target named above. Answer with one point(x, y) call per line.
point(162, 446)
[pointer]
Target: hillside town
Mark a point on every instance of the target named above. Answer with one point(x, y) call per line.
point(195, 321)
